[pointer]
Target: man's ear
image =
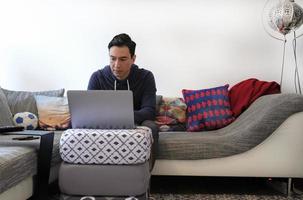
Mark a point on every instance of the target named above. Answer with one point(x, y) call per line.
point(134, 58)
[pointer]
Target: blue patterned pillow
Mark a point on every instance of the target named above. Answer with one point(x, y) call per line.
point(207, 109)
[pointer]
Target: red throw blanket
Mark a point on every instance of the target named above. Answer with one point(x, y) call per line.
point(246, 92)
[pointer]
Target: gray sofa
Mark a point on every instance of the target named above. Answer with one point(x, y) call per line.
point(18, 159)
point(265, 141)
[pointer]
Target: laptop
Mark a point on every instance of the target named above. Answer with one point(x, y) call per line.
point(101, 109)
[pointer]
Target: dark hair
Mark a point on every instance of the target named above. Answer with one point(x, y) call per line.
point(123, 40)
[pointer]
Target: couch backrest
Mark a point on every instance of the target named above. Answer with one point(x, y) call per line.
point(5, 113)
point(12, 102)
point(24, 101)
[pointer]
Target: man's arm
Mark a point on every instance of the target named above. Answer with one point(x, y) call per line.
point(148, 110)
point(94, 83)
point(148, 101)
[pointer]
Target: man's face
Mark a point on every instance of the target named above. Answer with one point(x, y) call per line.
point(120, 61)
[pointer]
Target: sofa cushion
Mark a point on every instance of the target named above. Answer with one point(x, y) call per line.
point(18, 159)
point(104, 180)
point(16, 164)
point(6, 141)
point(21, 101)
point(53, 112)
point(5, 113)
point(106, 146)
point(207, 109)
point(258, 122)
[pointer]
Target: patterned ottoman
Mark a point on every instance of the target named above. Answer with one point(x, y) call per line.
point(105, 162)
point(106, 146)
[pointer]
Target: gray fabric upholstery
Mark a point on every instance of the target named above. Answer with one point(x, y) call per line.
point(21, 101)
point(5, 113)
point(16, 164)
point(6, 140)
point(18, 159)
point(252, 127)
point(105, 180)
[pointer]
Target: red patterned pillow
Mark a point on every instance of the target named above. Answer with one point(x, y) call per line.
point(207, 109)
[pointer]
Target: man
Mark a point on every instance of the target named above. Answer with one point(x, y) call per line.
point(123, 74)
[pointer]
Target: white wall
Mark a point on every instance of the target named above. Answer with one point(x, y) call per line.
point(194, 44)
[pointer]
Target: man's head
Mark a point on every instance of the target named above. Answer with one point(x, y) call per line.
point(122, 55)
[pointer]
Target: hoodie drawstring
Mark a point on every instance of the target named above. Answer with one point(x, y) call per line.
point(115, 86)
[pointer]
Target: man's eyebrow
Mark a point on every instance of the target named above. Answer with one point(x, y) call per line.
point(118, 57)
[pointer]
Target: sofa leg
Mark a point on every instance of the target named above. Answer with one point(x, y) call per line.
point(289, 187)
point(283, 185)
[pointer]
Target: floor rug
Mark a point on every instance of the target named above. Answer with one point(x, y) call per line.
point(210, 188)
point(222, 197)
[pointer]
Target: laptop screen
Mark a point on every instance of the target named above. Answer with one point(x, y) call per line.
point(101, 109)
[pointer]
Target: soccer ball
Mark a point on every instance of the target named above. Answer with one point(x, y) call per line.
point(26, 119)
